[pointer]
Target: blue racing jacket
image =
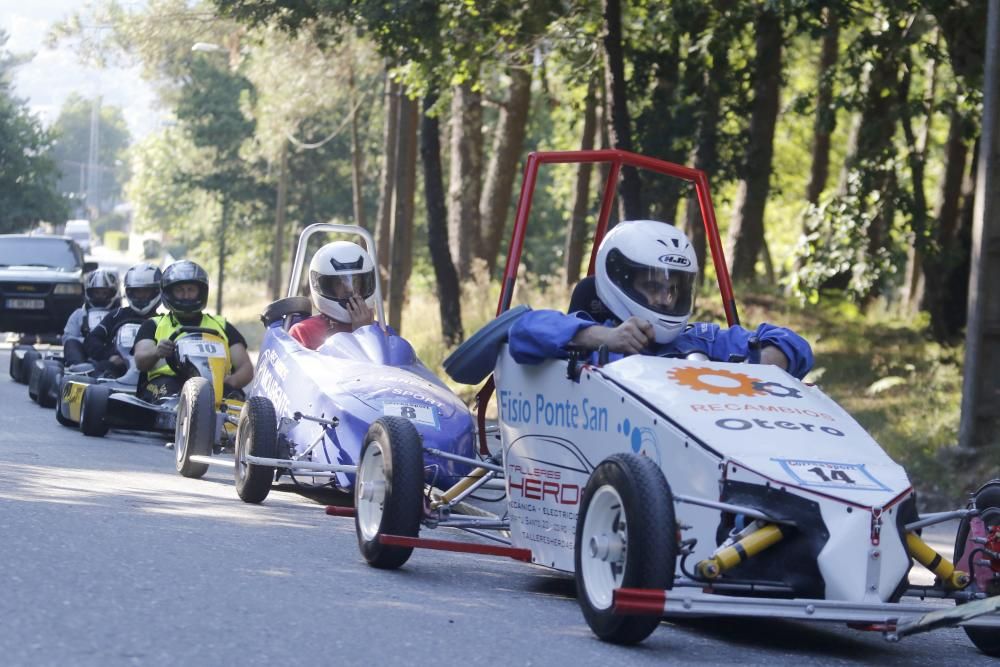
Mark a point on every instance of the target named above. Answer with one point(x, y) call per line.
point(544, 334)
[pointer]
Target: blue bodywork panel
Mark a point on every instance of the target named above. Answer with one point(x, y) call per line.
point(357, 378)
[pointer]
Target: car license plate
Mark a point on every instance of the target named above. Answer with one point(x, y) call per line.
point(26, 304)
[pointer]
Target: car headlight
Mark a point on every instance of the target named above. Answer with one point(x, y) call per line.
point(68, 288)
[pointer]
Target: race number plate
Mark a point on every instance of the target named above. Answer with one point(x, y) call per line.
point(831, 475)
point(421, 414)
point(126, 335)
point(94, 318)
point(26, 304)
point(200, 348)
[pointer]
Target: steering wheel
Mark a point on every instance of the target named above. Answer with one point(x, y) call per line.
point(173, 361)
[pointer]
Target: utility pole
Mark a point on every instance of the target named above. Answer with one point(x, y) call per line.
point(93, 158)
point(222, 252)
point(980, 425)
point(278, 249)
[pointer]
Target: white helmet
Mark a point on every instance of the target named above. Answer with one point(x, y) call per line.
point(338, 271)
point(648, 269)
point(145, 277)
point(101, 289)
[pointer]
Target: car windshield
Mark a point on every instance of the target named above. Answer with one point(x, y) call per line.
point(34, 251)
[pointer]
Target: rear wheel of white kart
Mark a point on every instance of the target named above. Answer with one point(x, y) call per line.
point(388, 490)
point(626, 537)
point(257, 435)
point(195, 427)
point(48, 382)
point(93, 409)
point(987, 500)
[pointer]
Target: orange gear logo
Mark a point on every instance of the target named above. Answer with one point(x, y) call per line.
point(728, 383)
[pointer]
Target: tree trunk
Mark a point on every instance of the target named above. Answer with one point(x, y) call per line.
point(581, 201)
point(402, 223)
point(508, 144)
point(390, 141)
point(357, 156)
point(603, 131)
point(913, 282)
point(449, 292)
point(621, 127)
point(658, 134)
point(465, 177)
point(940, 257)
point(706, 151)
point(826, 114)
point(278, 249)
point(746, 231)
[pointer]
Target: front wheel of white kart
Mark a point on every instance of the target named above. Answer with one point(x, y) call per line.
point(195, 427)
point(388, 490)
point(256, 435)
point(626, 537)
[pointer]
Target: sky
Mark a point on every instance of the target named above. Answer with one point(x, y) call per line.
point(54, 74)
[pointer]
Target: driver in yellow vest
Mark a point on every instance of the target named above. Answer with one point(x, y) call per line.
point(185, 294)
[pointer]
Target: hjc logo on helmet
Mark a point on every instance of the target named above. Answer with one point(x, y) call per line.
point(674, 260)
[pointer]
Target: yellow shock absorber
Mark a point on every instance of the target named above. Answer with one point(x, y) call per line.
point(750, 545)
point(458, 487)
point(934, 562)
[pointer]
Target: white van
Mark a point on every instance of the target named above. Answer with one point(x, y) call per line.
point(79, 231)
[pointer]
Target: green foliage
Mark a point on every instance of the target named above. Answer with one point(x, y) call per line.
point(28, 192)
point(72, 147)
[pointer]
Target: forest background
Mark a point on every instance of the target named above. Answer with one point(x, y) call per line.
point(840, 140)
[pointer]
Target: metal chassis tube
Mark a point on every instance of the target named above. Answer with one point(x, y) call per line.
point(695, 603)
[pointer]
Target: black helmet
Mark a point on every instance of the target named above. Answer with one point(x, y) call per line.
point(145, 277)
point(180, 273)
point(101, 288)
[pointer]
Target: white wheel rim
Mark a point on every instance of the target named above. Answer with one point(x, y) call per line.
point(241, 449)
point(369, 494)
point(180, 432)
point(603, 546)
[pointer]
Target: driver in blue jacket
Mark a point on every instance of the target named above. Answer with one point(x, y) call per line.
point(646, 276)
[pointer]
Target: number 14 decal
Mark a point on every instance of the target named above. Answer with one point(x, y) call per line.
point(835, 475)
point(831, 474)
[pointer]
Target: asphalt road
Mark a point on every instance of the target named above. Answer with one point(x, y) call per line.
point(111, 558)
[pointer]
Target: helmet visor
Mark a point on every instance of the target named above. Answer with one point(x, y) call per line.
point(662, 290)
point(101, 297)
point(342, 287)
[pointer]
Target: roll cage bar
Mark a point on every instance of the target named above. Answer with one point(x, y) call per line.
point(617, 159)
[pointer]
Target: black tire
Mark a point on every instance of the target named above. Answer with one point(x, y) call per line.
point(15, 363)
point(392, 454)
point(34, 375)
point(63, 420)
point(630, 487)
point(195, 428)
point(987, 500)
point(27, 363)
point(257, 435)
point(93, 409)
point(48, 383)
point(23, 367)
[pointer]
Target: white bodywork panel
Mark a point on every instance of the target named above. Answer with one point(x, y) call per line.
point(703, 422)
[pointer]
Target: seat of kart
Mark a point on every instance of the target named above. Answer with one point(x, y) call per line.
point(584, 298)
point(289, 310)
point(474, 360)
